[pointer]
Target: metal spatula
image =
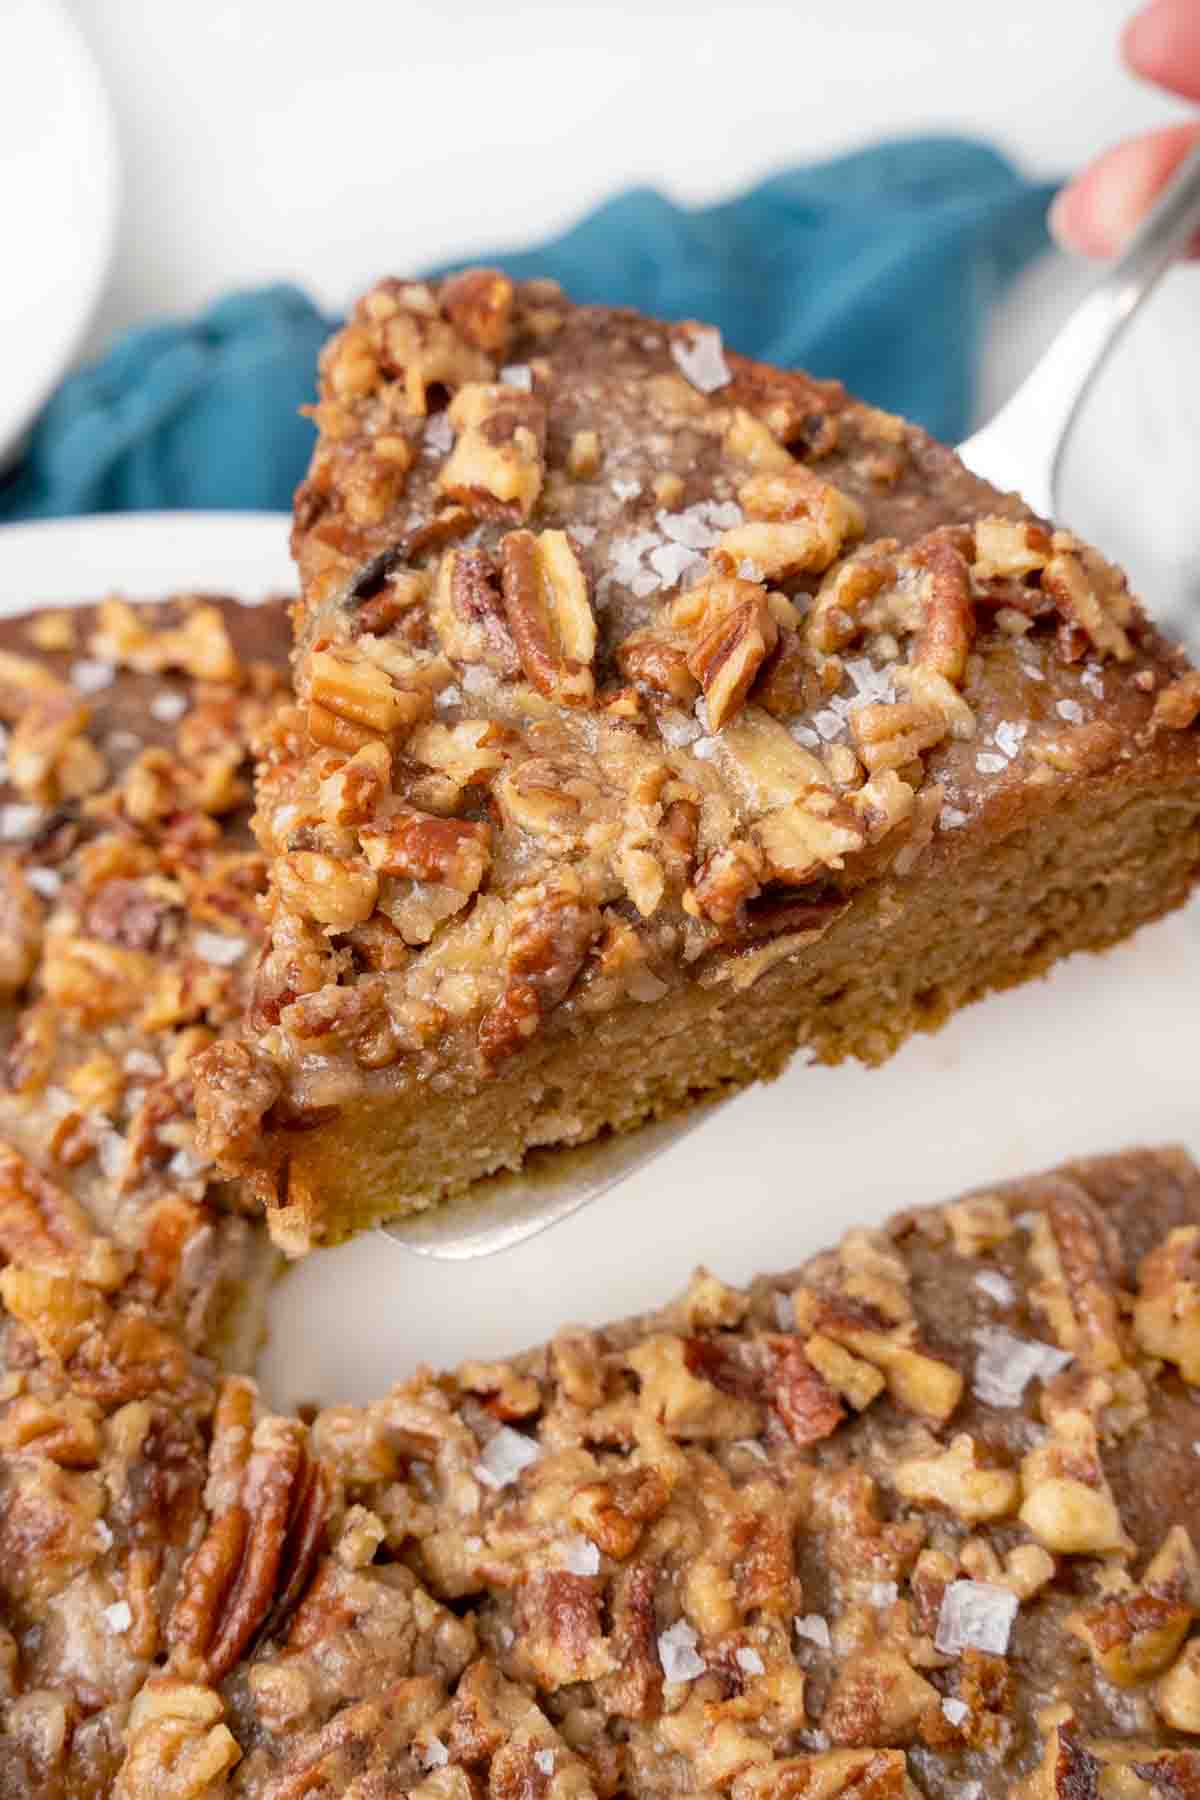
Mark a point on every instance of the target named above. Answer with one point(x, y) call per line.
point(1022, 449)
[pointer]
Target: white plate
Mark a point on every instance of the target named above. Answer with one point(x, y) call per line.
point(1099, 1056)
point(58, 201)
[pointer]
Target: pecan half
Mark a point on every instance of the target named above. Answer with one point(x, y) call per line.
point(468, 614)
point(253, 1564)
point(550, 614)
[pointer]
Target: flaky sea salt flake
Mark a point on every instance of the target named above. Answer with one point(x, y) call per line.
point(91, 676)
point(432, 1753)
point(216, 947)
point(519, 376)
point(46, 882)
point(701, 357)
point(581, 1556)
point(990, 762)
point(677, 1653)
point(506, 1454)
point(545, 1761)
point(815, 1629)
point(749, 1662)
point(1007, 1364)
point(975, 1615)
point(169, 706)
point(951, 819)
point(19, 821)
point(955, 1710)
point(119, 1616)
point(1070, 710)
point(996, 1286)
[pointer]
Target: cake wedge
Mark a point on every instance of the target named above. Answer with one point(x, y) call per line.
point(657, 714)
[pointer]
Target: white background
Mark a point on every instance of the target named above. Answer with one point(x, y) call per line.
point(331, 142)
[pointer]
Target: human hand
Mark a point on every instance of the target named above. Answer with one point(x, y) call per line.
point(1098, 212)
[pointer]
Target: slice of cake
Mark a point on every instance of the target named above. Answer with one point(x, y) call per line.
point(130, 1276)
point(657, 714)
point(917, 1519)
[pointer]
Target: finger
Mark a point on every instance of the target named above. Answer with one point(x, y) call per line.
point(1162, 44)
point(1097, 214)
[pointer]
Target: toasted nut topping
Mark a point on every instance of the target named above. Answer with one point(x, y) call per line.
point(1091, 594)
point(479, 303)
point(1068, 1503)
point(550, 614)
point(499, 450)
point(347, 685)
point(325, 888)
point(1177, 1696)
point(468, 614)
point(1009, 548)
point(955, 1480)
point(454, 851)
point(1166, 1317)
point(1137, 1633)
point(732, 631)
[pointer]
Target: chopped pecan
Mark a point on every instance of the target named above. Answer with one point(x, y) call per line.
point(177, 1744)
point(39, 1222)
point(1166, 1316)
point(800, 1394)
point(347, 685)
point(831, 1775)
point(955, 1479)
point(1091, 595)
point(948, 614)
point(1135, 1634)
point(550, 614)
point(1068, 1504)
point(730, 631)
point(877, 1698)
point(560, 1634)
point(20, 930)
point(634, 1689)
point(1178, 705)
point(552, 931)
point(1008, 548)
point(497, 461)
point(1076, 1252)
point(251, 1568)
point(468, 614)
point(331, 890)
point(426, 848)
point(614, 1512)
point(479, 304)
point(797, 523)
point(917, 1381)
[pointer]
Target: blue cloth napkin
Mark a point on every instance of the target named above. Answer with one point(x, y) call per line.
point(878, 267)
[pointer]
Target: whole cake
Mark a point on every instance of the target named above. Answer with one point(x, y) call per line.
point(657, 713)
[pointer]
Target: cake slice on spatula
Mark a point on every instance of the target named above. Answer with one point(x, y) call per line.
point(657, 714)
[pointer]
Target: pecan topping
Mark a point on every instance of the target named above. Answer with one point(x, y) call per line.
point(551, 935)
point(550, 614)
point(469, 615)
point(454, 851)
point(252, 1567)
point(732, 631)
point(497, 462)
point(479, 304)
